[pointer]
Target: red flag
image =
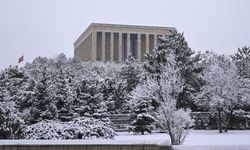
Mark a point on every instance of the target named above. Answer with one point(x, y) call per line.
point(20, 59)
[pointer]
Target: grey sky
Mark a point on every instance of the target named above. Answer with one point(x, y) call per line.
point(48, 27)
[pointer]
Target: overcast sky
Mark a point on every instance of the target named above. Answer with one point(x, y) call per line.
point(48, 27)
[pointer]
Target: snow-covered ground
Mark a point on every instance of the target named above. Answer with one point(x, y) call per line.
point(201, 140)
point(157, 138)
point(212, 140)
point(196, 140)
point(213, 137)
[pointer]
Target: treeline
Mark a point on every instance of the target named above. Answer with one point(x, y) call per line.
point(159, 93)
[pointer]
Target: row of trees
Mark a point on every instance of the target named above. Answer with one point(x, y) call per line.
point(159, 93)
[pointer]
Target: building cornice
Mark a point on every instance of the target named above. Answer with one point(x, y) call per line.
point(114, 27)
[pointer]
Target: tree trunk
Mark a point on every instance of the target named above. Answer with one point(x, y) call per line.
point(219, 119)
point(228, 120)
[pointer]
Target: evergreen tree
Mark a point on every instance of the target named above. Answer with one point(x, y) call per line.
point(242, 61)
point(186, 60)
point(11, 81)
point(142, 121)
point(142, 118)
point(63, 96)
point(2, 87)
point(42, 106)
point(10, 123)
point(25, 98)
point(89, 99)
point(131, 73)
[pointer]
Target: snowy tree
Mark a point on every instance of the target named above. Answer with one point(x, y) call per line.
point(10, 123)
point(63, 96)
point(42, 106)
point(242, 61)
point(60, 61)
point(222, 93)
point(114, 94)
point(163, 86)
point(142, 116)
point(36, 68)
point(26, 96)
point(131, 73)
point(89, 99)
point(186, 60)
point(176, 121)
point(11, 80)
point(2, 87)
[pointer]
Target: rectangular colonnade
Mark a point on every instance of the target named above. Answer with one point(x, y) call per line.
point(115, 46)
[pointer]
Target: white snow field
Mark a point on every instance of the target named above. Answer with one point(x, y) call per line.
point(201, 140)
point(212, 140)
point(196, 140)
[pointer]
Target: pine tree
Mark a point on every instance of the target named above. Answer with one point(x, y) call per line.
point(89, 99)
point(242, 61)
point(142, 119)
point(2, 87)
point(186, 60)
point(42, 106)
point(25, 98)
point(131, 73)
point(10, 127)
point(63, 96)
point(11, 81)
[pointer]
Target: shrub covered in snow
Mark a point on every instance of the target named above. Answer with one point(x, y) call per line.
point(79, 128)
point(10, 123)
point(142, 123)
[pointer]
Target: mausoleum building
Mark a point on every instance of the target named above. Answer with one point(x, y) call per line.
point(109, 42)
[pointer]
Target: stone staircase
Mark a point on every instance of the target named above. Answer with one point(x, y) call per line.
point(120, 122)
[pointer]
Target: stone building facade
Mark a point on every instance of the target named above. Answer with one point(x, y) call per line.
point(109, 42)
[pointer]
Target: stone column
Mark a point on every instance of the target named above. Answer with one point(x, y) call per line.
point(139, 47)
point(155, 40)
point(120, 47)
point(147, 43)
point(128, 44)
point(103, 46)
point(94, 45)
point(111, 46)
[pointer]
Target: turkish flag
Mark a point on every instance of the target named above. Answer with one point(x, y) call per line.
point(20, 59)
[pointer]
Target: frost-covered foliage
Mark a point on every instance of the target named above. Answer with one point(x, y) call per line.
point(10, 123)
point(187, 61)
point(55, 92)
point(162, 86)
point(59, 89)
point(224, 90)
point(176, 121)
point(242, 61)
point(10, 118)
point(131, 73)
point(78, 128)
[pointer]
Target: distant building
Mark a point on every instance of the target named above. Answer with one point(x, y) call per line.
point(109, 42)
